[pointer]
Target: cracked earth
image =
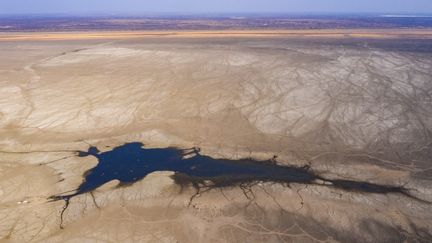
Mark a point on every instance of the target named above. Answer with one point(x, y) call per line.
point(348, 110)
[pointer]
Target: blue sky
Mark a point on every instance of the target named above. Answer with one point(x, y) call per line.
point(211, 6)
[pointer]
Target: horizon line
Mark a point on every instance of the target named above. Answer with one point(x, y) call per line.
point(227, 13)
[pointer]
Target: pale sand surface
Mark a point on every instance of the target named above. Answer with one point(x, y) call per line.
point(350, 110)
point(336, 33)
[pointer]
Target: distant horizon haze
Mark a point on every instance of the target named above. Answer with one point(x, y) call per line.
point(191, 7)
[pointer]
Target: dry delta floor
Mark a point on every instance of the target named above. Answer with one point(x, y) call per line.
point(342, 108)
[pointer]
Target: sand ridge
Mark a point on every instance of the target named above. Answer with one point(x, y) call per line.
point(336, 33)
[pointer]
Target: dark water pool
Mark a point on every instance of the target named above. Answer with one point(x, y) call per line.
point(132, 162)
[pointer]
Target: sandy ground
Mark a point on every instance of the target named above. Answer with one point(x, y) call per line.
point(351, 109)
point(321, 33)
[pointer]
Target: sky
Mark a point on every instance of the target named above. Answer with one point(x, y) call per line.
point(213, 6)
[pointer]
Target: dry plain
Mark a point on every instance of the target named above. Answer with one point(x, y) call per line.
point(345, 108)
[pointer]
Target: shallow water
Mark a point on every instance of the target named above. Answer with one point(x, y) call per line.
point(132, 162)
